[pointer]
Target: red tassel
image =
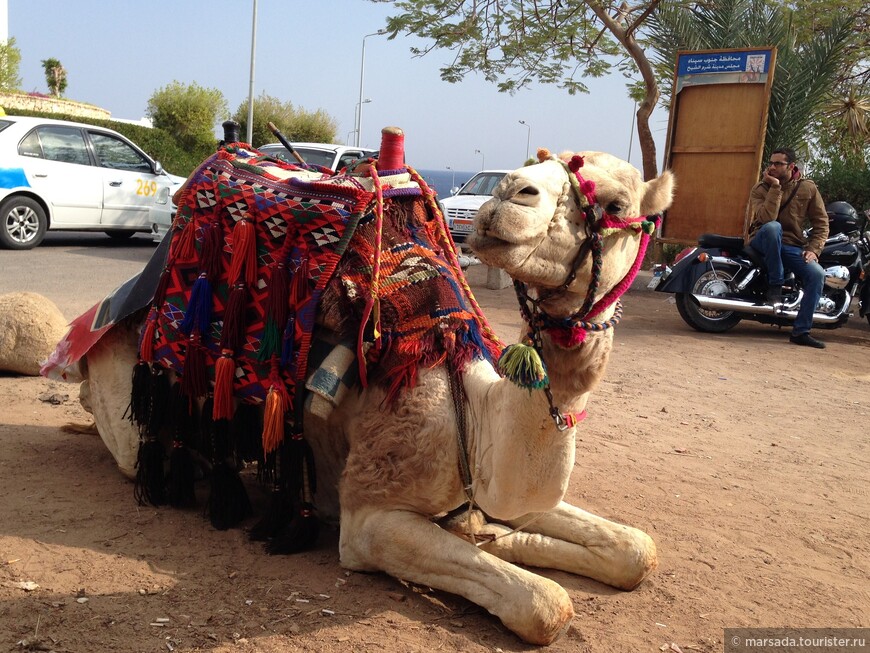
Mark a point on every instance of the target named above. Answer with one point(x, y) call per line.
point(224, 373)
point(299, 287)
point(273, 421)
point(146, 349)
point(193, 380)
point(186, 249)
point(278, 295)
point(162, 285)
point(244, 253)
point(233, 332)
point(212, 247)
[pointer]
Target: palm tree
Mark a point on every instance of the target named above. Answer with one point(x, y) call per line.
point(806, 71)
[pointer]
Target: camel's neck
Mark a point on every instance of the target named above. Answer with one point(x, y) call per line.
point(521, 461)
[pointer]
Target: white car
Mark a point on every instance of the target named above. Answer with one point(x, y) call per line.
point(328, 155)
point(71, 176)
point(461, 208)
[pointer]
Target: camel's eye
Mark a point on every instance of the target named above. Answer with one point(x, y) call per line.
point(614, 208)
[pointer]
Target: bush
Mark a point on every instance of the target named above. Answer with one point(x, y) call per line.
point(844, 180)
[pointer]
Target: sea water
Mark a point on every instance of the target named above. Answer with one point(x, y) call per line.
point(441, 181)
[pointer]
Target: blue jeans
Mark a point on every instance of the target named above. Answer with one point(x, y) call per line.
point(777, 256)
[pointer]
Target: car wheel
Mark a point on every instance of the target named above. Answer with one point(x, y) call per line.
point(119, 234)
point(24, 223)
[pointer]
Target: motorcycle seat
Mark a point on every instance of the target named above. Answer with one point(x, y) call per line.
point(731, 244)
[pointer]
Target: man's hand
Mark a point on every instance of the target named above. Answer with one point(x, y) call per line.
point(810, 257)
point(773, 182)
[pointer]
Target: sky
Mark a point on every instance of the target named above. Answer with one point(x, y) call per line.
point(118, 53)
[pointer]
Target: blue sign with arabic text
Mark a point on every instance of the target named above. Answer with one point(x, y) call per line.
point(699, 63)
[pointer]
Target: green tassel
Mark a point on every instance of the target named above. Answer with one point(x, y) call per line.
point(271, 343)
point(522, 364)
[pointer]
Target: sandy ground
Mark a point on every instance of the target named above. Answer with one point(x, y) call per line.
point(746, 458)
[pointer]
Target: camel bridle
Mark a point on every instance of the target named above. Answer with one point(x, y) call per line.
point(571, 331)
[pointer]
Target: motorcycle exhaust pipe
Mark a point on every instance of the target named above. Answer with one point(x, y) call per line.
point(741, 306)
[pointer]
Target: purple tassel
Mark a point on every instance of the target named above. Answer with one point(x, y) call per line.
point(198, 308)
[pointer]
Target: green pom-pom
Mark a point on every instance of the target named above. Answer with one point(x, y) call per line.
point(522, 365)
point(648, 226)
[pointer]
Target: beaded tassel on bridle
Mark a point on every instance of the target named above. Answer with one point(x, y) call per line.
point(522, 362)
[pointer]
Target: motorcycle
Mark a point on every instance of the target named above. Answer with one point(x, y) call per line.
point(723, 280)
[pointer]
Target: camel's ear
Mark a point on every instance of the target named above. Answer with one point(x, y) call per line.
point(659, 193)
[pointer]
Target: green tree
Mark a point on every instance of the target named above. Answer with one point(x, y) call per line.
point(806, 70)
point(514, 43)
point(190, 113)
point(55, 76)
point(295, 123)
point(10, 65)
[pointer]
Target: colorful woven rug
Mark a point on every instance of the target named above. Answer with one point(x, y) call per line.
point(256, 243)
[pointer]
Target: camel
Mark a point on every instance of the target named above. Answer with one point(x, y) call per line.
point(470, 518)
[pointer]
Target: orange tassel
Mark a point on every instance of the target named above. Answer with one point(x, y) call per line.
point(244, 253)
point(146, 350)
point(273, 421)
point(224, 373)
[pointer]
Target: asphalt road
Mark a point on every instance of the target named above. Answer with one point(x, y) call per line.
point(74, 270)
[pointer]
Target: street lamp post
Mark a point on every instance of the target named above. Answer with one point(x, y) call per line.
point(362, 70)
point(482, 159)
point(452, 183)
point(250, 129)
point(528, 137)
point(357, 111)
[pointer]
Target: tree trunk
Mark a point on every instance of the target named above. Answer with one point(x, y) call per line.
point(626, 38)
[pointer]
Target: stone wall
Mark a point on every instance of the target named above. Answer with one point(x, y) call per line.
point(24, 101)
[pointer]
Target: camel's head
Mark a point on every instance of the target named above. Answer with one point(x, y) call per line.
point(534, 226)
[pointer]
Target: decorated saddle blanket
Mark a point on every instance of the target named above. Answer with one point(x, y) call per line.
point(260, 248)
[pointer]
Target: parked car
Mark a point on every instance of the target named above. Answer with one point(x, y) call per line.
point(328, 155)
point(461, 209)
point(62, 175)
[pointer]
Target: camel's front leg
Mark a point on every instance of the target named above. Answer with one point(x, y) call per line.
point(408, 546)
point(575, 541)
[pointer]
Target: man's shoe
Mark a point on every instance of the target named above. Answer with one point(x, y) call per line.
point(806, 340)
point(774, 294)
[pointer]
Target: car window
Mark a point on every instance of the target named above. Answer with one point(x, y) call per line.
point(29, 146)
point(347, 158)
point(116, 154)
point(482, 184)
point(316, 157)
point(55, 143)
point(4, 124)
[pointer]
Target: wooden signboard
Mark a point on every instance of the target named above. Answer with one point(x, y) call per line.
point(715, 140)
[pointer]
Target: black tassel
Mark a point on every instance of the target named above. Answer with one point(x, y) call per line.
point(300, 534)
point(140, 397)
point(149, 486)
point(181, 477)
point(159, 413)
point(247, 427)
point(228, 503)
point(278, 512)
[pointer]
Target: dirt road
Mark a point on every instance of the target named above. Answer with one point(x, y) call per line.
point(746, 458)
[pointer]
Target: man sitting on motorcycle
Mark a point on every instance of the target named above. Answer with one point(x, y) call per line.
point(779, 207)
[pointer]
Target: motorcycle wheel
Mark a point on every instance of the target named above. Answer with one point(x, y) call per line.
point(711, 284)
